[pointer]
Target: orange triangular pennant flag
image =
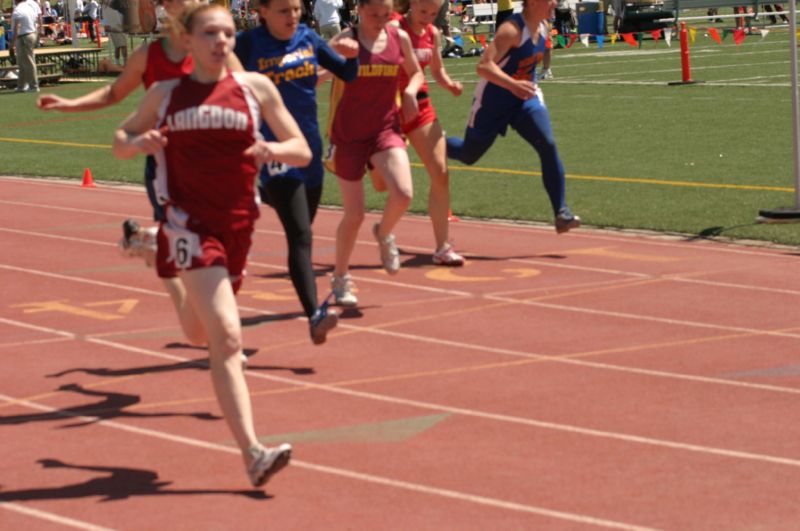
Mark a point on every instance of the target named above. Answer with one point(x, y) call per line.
point(738, 36)
point(715, 35)
point(656, 34)
point(483, 40)
point(628, 37)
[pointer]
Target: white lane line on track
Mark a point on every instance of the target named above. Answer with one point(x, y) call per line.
point(443, 342)
point(497, 417)
point(51, 517)
point(341, 472)
point(642, 237)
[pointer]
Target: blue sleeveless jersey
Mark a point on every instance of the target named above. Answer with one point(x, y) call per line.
point(292, 66)
point(494, 106)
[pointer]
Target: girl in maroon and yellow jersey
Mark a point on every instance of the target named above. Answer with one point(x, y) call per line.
point(365, 132)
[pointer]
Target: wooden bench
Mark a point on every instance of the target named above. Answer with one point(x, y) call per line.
point(46, 73)
point(484, 11)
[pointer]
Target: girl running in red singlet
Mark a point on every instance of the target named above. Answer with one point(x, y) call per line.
point(425, 132)
point(165, 58)
point(365, 131)
point(204, 128)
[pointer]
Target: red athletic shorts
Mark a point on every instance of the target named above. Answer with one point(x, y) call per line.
point(427, 115)
point(350, 161)
point(182, 248)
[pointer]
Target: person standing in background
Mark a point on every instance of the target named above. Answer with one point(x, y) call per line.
point(91, 12)
point(326, 13)
point(115, 30)
point(24, 24)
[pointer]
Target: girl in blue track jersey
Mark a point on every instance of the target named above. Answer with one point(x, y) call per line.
point(507, 95)
point(291, 54)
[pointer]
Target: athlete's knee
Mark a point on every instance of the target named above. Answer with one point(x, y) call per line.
point(353, 217)
point(227, 340)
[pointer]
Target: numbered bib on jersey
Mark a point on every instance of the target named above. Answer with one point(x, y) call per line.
point(276, 168)
point(183, 245)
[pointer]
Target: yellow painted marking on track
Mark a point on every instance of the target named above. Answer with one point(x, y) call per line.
point(62, 306)
point(54, 143)
point(124, 306)
point(522, 272)
point(605, 178)
point(609, 252)
point(448, 275)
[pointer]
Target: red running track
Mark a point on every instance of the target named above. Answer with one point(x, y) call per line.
point(590, 380)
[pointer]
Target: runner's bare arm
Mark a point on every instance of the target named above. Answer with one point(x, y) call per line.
point(129, 79)
point(291, 147)
point(437, 68)
point(137, 134)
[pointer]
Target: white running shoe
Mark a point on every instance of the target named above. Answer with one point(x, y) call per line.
point(136, 241)
point(545, 74)
point(390, 256)
point(343, 290)
point(447, 256)
point(267, 462)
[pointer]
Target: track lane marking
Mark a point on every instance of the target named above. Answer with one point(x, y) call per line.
point(349, 474)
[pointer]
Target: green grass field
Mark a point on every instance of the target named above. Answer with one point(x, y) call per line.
point(699, 160)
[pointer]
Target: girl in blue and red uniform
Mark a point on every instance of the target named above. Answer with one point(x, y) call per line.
point(508, 96)
point(204, 130)
point(365, 131)
point(291, 54)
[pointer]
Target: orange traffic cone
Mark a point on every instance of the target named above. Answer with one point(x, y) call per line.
point(88, 182)
point(450, 216)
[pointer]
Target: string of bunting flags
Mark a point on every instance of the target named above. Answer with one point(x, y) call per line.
point(635, 39)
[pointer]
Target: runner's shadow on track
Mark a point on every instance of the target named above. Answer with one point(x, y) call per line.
point(200, 364)
point(426, 259)
point(120, 484)
point(255, 320)
point(112, 406)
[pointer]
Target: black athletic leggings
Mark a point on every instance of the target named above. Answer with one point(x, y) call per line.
point(296, 206)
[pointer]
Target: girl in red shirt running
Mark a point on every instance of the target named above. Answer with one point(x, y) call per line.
point(425, 131)
point(203, 128)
